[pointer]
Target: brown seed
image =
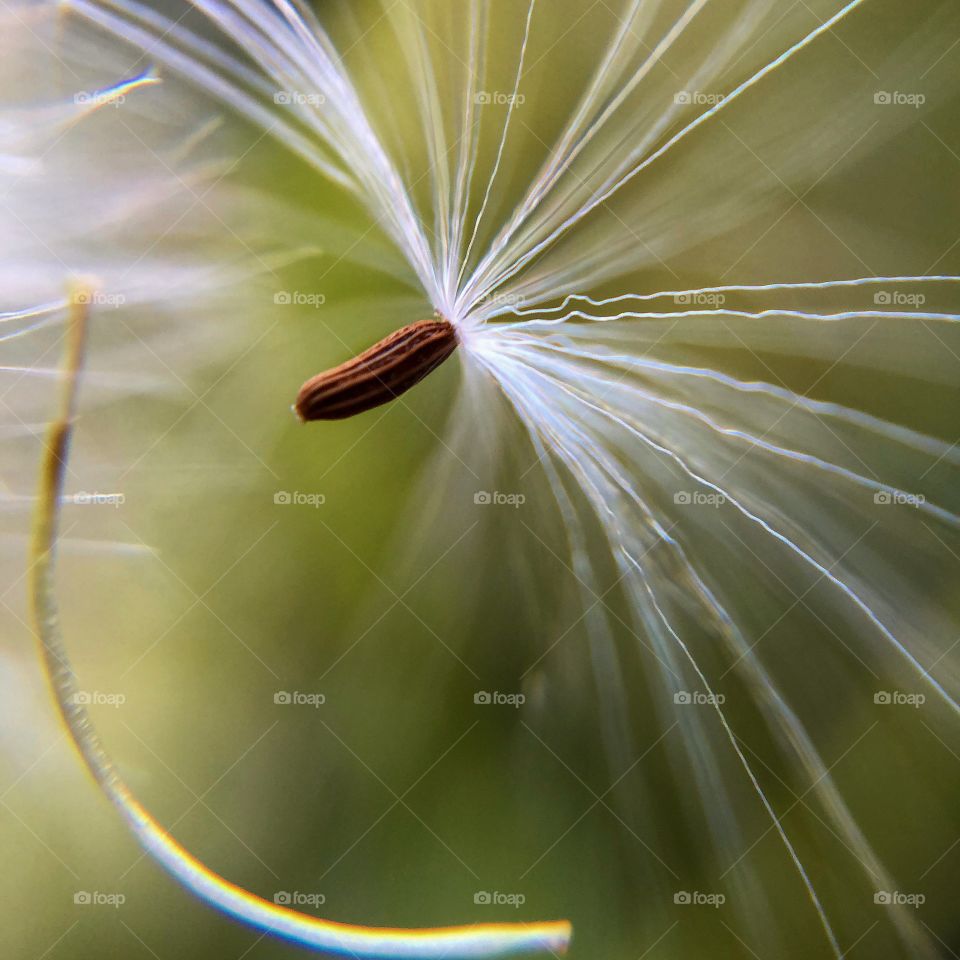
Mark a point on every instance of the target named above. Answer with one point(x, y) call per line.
point(379, 374)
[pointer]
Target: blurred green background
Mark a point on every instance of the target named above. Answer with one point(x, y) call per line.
point(400, 799)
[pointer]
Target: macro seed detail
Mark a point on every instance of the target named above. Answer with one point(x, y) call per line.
point(381, 373)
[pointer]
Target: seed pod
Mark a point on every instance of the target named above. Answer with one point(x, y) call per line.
point(379, 374)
